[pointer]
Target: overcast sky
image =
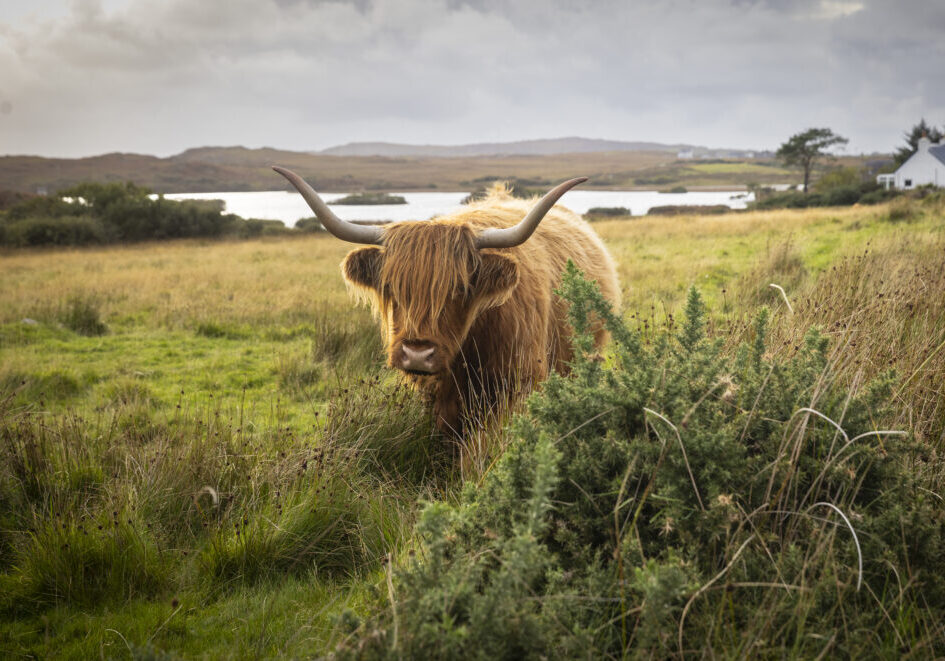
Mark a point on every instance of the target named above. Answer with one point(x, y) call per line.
point(85, 77)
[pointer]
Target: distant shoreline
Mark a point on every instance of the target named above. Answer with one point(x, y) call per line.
point(235, 169)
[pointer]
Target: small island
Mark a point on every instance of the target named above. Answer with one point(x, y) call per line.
point(370, 198)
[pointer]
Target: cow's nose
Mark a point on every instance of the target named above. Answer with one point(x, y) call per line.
point(417, 357)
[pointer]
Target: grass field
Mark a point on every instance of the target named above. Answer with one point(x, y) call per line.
point(203, 457)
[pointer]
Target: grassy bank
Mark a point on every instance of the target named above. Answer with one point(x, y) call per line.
point(202, 456)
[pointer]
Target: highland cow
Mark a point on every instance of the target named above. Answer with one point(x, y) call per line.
point(466, 301)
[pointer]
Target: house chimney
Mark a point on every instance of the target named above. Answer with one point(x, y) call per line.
point(924, 143)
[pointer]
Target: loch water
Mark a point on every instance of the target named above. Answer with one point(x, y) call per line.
point(289, 206)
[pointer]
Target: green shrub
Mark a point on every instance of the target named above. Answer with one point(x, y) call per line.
point(370, 198)
point(879, 195)
point(308, 225)
point(45, 206)
point(56, 231)
point(254, 227)
point(654, 181)
point(839, 178)
point(672, 501)
point(108, 212)
point(787, 200)
point(596, 213)
point(842, 196)
point(842, 190)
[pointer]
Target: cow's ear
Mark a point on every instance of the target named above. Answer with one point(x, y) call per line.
point(495, 278)
point(362, 267)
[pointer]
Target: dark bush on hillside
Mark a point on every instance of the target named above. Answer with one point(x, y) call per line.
point(671, 502)
point(653, 181)
point(841, 194)
point(9, 198)
point(598, 213)
point(49, 231)
point(105, 213)
point(787, 200)
point(371, 198)
point(254, 227)
point(308, 225)
point(878, 196)
point(45, 206)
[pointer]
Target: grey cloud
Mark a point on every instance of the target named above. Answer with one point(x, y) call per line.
point(161, 77)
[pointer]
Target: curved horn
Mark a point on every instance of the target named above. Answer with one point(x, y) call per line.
point(512, 236)
point(342, 229)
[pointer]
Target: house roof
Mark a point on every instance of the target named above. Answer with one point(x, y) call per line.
point(938, 151)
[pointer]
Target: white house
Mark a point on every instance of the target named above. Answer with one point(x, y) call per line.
point(925, 166)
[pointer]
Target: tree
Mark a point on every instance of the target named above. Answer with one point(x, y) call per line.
point(912, 140)
point(803, 149)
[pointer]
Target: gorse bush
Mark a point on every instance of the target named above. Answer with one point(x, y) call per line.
point(672, 499)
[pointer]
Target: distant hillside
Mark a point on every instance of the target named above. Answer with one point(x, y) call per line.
point(572, 145)
point(209, 169)
point(212, 169)
point(34, 174)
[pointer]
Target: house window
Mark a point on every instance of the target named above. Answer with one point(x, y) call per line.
point(907, 183)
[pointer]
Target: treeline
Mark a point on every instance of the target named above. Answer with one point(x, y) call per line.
point(839, 187)
point(101, 213)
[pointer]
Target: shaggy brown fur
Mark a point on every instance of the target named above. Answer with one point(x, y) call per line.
point(490, 315)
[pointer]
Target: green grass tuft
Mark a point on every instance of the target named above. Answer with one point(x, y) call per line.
point(84, 563)
point(82, 313)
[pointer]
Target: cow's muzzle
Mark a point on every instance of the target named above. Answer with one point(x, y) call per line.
point(417, 357)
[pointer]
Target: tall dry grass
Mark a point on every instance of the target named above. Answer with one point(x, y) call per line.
point(182, 284)
point(884, 310)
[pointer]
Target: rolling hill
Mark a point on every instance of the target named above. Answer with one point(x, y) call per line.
point(570, 145)
point(211, 169)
